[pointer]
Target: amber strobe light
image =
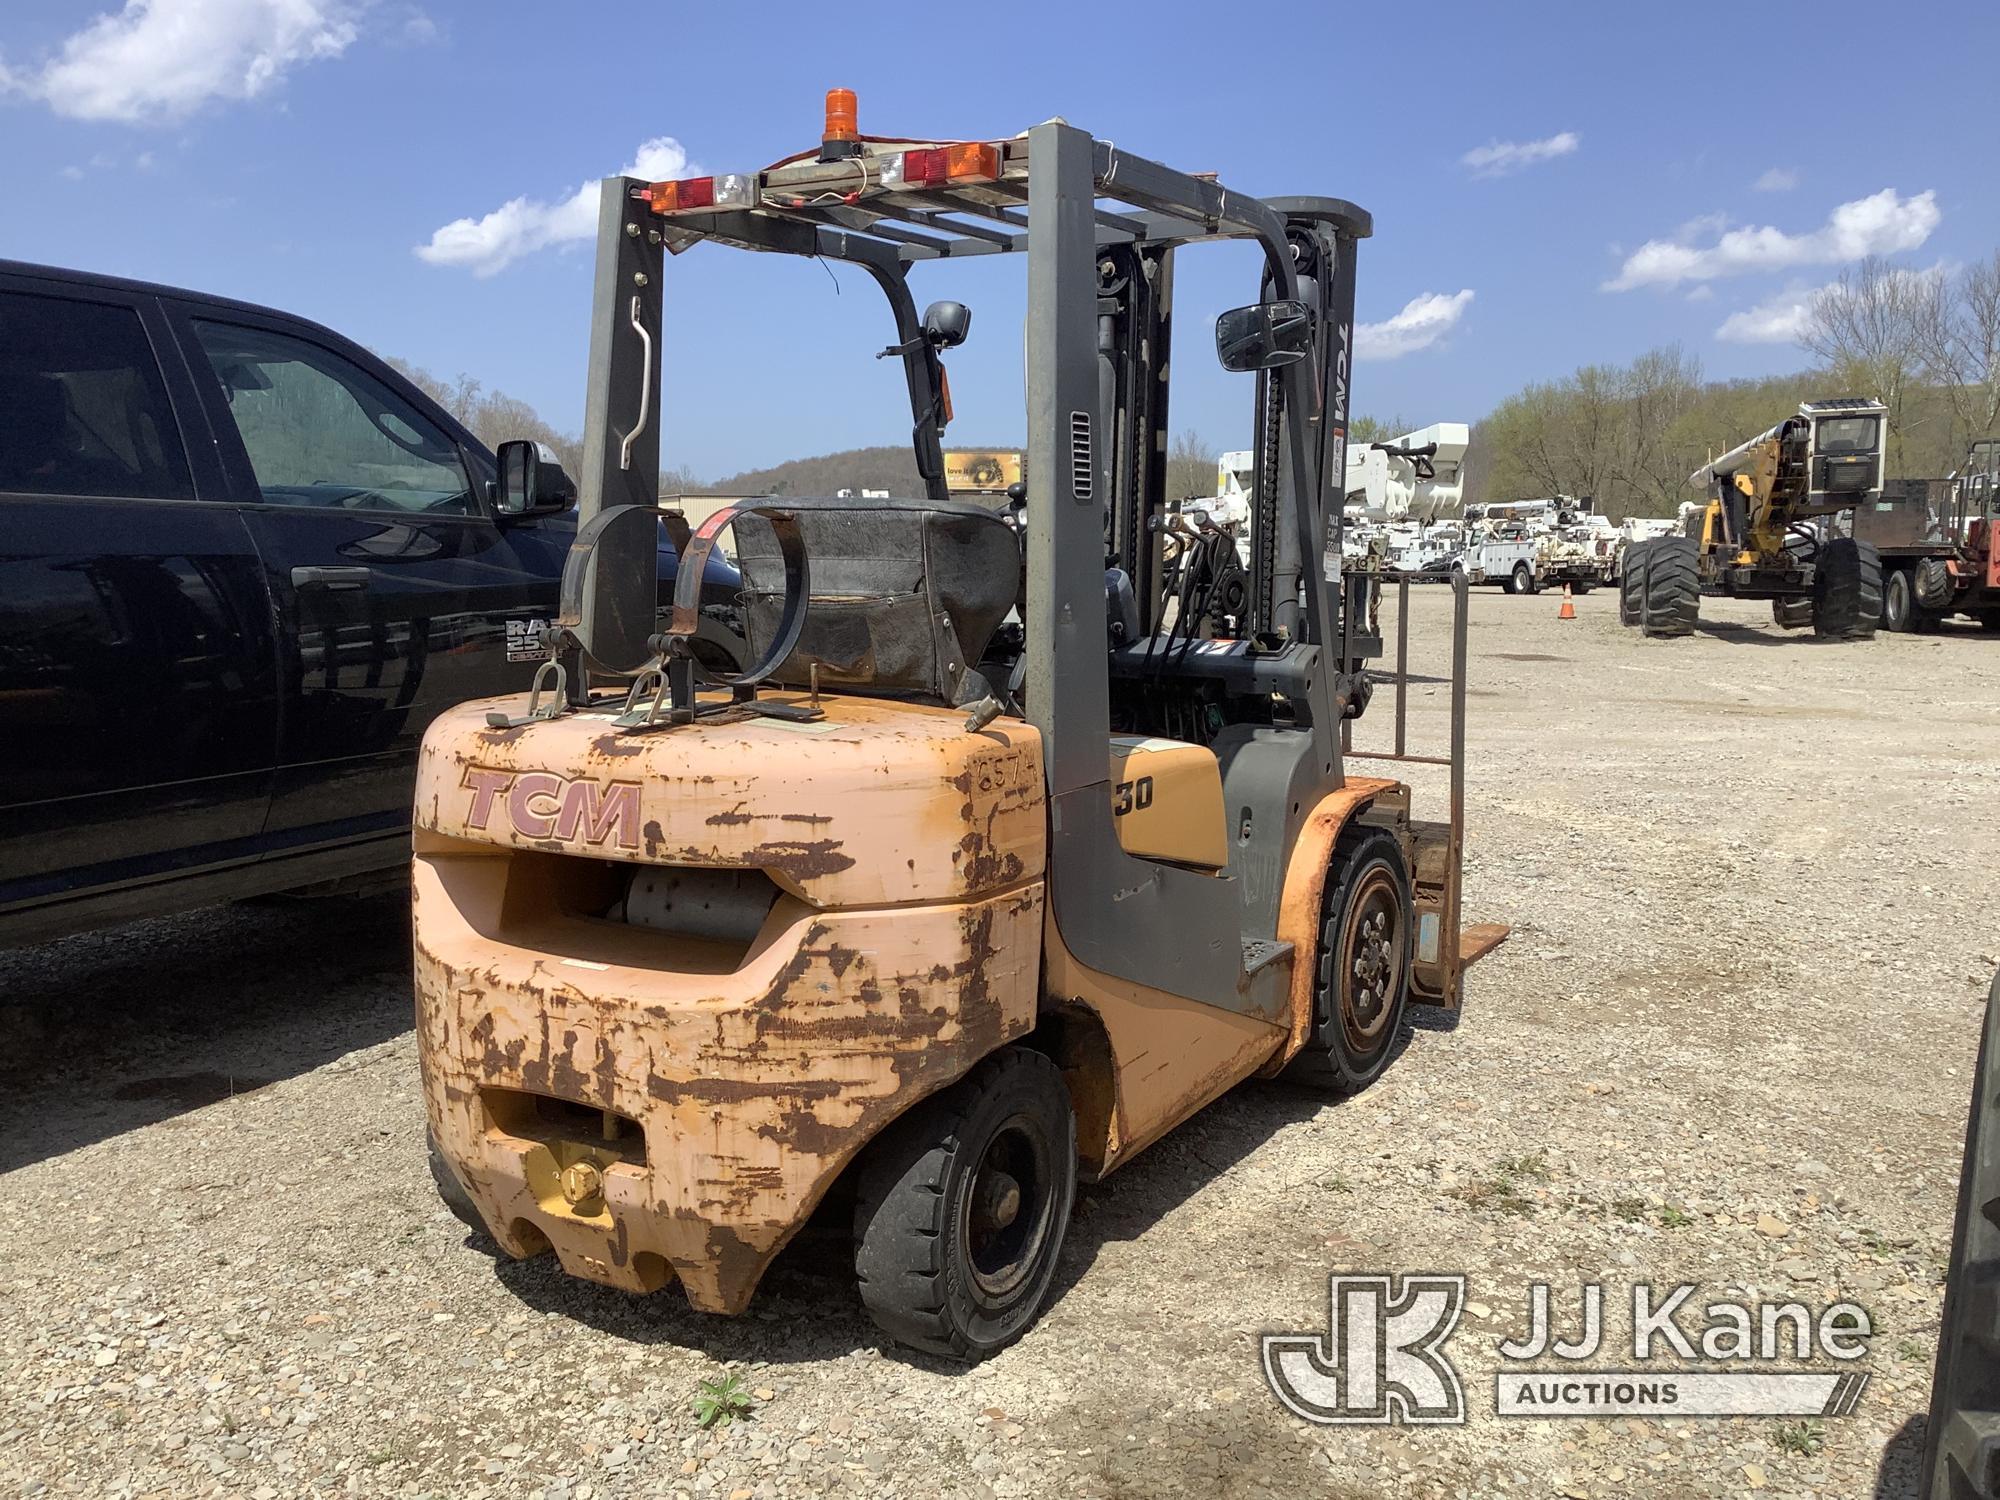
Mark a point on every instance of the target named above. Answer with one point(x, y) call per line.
point(843, 134)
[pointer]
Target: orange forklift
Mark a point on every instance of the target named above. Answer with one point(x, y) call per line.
point(1004, 844)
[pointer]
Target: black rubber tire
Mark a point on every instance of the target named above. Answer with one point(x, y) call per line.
point(1631, 582)
point(915, 1220)
point(1367, 864)
point(1792, 614)
point(1671, 601)
point(1934, 587)
point(1522, 580)
point(1847, 591)
point(452, 1191)
point(1899, 603)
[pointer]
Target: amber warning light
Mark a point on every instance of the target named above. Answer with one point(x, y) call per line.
point(842, 136)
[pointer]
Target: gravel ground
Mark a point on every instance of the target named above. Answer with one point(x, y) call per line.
point(1729, 1043)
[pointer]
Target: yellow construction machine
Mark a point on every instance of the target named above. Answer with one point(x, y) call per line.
point(1764, 530)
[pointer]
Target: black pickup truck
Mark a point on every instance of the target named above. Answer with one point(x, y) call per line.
point(243, 564)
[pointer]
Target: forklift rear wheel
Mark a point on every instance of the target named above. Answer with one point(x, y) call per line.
point(962, 1205)
point(453, 1192)
point(1670, 601)
point(1363, 981)
point(1631, 583)
point(1847, 590)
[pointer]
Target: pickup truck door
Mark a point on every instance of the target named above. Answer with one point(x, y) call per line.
point(398, 594)
point(138, 669)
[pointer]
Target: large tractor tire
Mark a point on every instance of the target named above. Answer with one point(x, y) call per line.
point(1792, 614)
point(1670, 602)
point(1361, 984)
point(1847, 590)
point(962, 1205)
point(1631, 582)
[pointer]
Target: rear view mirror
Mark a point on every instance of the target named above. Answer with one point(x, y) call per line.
point(532, 481)
point(947, 323)
point(1263, 336)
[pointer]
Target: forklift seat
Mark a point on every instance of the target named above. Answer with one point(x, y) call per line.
point(905, 594)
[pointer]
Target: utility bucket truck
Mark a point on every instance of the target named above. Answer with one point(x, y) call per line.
point(1761, 532)
point(922, 914)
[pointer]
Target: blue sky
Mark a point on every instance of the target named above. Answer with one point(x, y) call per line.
point(1599, 178)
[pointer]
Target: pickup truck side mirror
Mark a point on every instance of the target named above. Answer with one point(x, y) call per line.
point(532, 482)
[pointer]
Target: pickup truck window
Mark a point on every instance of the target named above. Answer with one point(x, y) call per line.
point(82, 407)
point(321, 431)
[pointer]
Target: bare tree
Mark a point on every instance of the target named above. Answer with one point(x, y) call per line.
point(1191, 463)
point(1961, 351)
point(1661, 390)
point(492, 417)
point(1877, 327)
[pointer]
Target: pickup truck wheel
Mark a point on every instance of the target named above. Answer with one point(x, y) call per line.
point(1671, 601)
point(1631, 582)
point(962, 1205)
point(1847, 590)
point(1361, 985)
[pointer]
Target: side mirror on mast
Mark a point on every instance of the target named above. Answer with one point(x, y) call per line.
point(1263, 336)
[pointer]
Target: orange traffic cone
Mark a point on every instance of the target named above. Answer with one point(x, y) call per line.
point(1568, 611)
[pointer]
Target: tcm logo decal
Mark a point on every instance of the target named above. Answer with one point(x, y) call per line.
point(543, 805)
point(1381, 1357)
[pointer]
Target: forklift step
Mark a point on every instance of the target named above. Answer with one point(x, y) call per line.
point(1258, 952)
point(1480, 939)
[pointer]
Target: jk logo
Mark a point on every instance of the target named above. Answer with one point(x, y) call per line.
point(1380, 1360)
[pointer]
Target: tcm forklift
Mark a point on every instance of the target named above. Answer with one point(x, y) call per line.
point(1754, 538)
point(1000, 851)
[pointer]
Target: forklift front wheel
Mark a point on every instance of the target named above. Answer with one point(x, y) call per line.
point(1363, 982)
point(962, 1205)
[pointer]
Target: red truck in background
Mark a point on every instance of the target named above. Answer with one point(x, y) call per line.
point(1940, 544)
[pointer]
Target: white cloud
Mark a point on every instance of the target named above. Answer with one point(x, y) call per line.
point(1881, 224)
point(521, 226)
point(1498, 158)
point(1778, 319)
point(1777, 180)
point(1702, 293)
point(158, 61)
point(1422, 322)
